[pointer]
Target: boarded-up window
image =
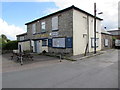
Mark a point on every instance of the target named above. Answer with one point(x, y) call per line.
point(92, 42)
point(55, 23)
point(33, 28)
point(58, 42)
point(106, 42)
point(43, 27)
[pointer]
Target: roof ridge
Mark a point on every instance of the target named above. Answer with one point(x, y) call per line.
point(68, 8)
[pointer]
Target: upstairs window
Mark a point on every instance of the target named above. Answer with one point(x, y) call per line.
point(22, 38)
point(98, 26)
point(43, 27)
point(33, 28)
point(55, 23)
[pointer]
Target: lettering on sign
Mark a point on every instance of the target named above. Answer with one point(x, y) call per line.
point(41, 35)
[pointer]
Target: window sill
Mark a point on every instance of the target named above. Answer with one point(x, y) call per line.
point(55, 30)
point(59, 47)
point(44, 45)
point(34, 33)
point(42, 32)
point(94, 47)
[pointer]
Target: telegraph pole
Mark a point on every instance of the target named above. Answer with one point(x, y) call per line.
point(94, 28)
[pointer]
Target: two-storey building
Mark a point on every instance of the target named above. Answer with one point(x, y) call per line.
point(69, 31)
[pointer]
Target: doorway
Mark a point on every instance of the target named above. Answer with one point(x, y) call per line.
point(37, 46)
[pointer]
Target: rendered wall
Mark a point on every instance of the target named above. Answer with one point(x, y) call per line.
point(82, 23)
point(25, 45)
point(91, 33)
point(79, 28)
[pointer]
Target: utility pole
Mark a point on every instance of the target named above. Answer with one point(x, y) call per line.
point(94, 28)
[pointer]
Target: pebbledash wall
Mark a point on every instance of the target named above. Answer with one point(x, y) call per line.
point(75, 29)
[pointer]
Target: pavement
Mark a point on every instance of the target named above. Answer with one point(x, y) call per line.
point(100, 71)
point(9, 65)
point(90, 54)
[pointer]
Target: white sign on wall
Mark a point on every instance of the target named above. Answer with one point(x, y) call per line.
point(54, 34)
point(58, 42)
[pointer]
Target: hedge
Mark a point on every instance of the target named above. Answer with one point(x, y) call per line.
point(11, 45)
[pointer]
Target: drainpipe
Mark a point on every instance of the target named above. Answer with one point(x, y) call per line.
point(88, 32)
point(87, 45)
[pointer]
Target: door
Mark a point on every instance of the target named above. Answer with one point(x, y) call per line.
point(33, 45)
point(20, 48)
point(37, 46)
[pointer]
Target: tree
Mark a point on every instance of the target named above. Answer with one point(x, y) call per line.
point(4, 36)
point(3, 41)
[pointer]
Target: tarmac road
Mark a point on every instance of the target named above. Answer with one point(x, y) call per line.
point(96, 72)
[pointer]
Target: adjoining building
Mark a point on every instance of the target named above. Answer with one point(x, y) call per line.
point(115, 33)
point(106, 40)
point(116, 37)
point(23, 42)
point(68, 31)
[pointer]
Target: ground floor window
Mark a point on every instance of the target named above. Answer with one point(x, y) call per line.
point(58, 42)
point(92, 42)
point(44, 42)
point(106, 42)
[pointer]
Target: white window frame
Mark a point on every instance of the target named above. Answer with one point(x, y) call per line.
point(55, 23)
point(106, 42)
point(92, 42)
point(43, 26)
point(34, 28)
point(22, 38)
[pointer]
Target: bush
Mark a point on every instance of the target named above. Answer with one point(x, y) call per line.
point(11, 45)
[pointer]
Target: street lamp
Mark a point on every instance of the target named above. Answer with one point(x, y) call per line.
point(95, 27)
